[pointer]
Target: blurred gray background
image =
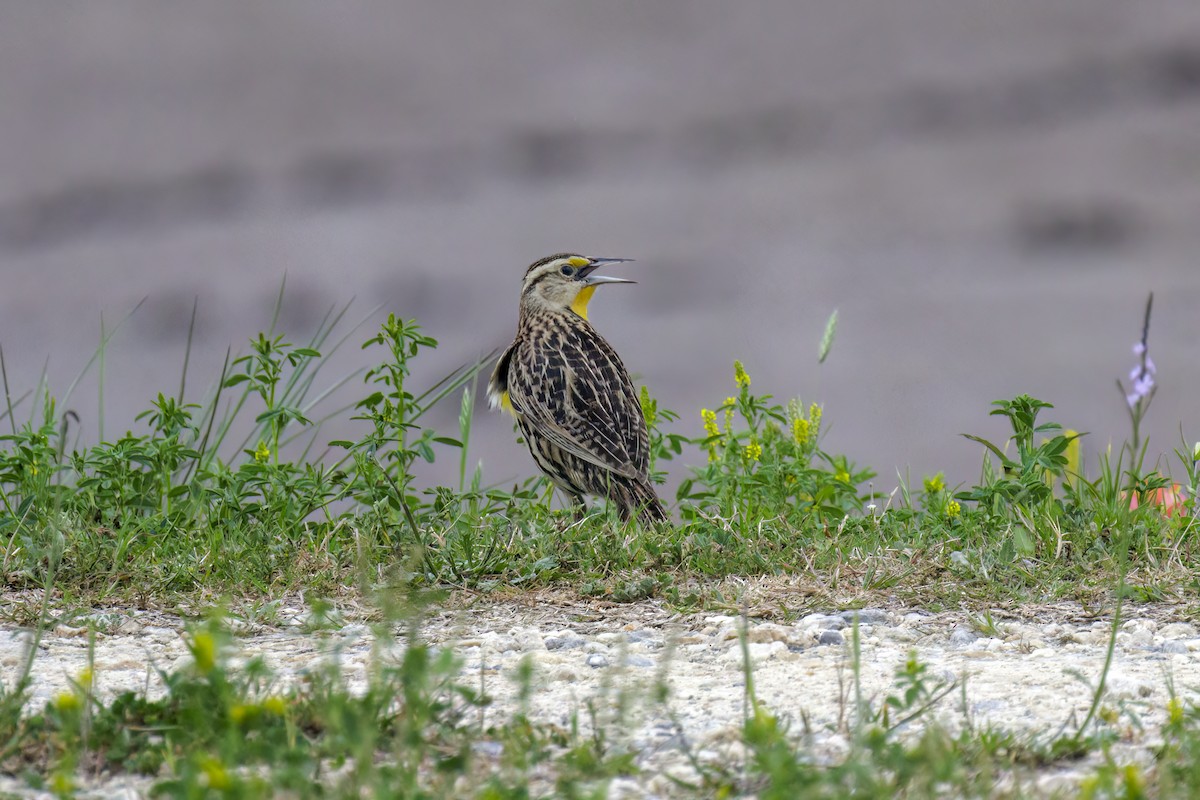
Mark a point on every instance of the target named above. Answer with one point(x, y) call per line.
point(985, 191)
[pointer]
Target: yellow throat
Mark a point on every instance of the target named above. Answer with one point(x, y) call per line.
point(580, 303)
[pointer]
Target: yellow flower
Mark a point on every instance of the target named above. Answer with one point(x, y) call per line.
point(85, 679)
point(753, 451)
point(739, 375)
point(814, 419)
point(274, 705)
point(1134, 785)
point(710, 422)
point(800, 429)
point(935, 484)
point(239, 712)
point(649, 407)
point(1074, 454)
point(1174, 711)
point(62, 784)
point(262, 452)
point(953, 509)
point(68, 702)
point(842, 475)
point(214, 773)
point(204, 650)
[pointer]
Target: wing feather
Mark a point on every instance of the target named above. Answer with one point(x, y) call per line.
point(577, 394)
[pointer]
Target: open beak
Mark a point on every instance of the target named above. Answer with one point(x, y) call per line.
point(585, 273)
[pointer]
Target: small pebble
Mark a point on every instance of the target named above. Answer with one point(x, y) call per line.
point(1137, 637)
point(962, 636)
point(831, 637)
point(768, 632)
point(597, 660)
point(1178, 630)
point(564, 642)
point(866, 616)
point(488, 749)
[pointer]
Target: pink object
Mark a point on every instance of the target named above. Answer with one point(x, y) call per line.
point(1169, 499)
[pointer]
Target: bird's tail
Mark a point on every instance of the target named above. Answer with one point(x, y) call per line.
point(639, 499)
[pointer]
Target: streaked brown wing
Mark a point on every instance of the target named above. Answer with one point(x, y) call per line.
point(573, 388)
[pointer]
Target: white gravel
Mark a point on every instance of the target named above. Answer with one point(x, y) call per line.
point(1028, 674)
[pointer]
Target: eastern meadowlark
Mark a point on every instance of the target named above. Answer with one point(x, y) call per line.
point(570, 393)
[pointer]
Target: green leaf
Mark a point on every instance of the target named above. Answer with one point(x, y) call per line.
point(999, 453)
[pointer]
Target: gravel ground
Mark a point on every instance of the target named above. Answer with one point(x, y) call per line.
point(584, 650)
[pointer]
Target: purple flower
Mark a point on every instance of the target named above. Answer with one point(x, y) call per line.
point(1141, 377)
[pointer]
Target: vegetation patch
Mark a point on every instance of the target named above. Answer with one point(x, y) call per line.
point(236, 499)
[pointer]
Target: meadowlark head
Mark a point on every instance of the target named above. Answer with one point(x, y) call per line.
point(565, 281)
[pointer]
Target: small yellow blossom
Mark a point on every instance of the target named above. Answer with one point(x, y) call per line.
point(935, 484)
point(204, 650)
point(62, 784)
point(800, 429)
point(68, 702)
point(710, 422)
point(239, 712)
point(262, 453)
point(215, 774)
point(1134, 785)
point(1074, 453)
point(85, 679)
point(953, 509)
point(649, 407)
point(274, 705)
point(753, 451)
point(842, 475)
point(739, 375)
point(814, 419)
point(1174, 711)
point(33, 470)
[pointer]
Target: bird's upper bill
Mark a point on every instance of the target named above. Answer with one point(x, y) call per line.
point(588, 266)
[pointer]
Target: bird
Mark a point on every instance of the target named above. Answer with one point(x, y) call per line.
point(570, 393)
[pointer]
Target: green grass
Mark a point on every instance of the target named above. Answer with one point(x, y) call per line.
point(236, 497)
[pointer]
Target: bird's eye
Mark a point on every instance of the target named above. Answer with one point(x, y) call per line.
point(568, 271)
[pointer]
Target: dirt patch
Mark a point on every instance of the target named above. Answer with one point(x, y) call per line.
point(1027, 673)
